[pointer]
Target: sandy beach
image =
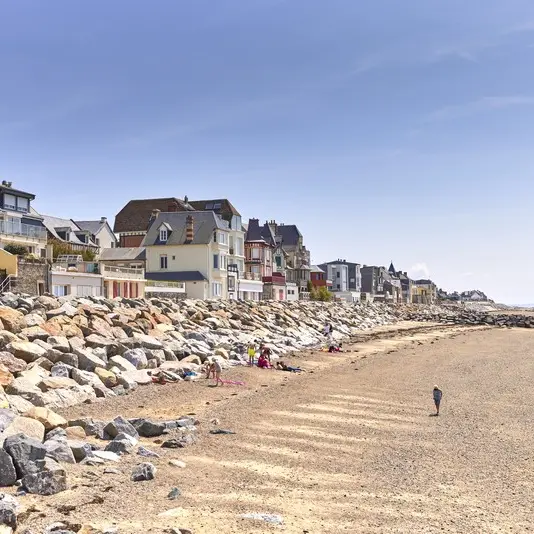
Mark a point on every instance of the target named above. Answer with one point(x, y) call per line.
point(348, 446)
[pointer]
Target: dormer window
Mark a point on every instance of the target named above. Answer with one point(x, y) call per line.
point(163, 235)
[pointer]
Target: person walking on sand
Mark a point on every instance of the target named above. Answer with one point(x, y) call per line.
point(437, 394)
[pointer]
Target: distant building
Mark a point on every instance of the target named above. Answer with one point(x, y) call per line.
point(100, 231)
point(345, 279)
point(68, 233)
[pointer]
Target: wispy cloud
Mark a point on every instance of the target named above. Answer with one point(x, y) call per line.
point(420, 270)
point(485, 104)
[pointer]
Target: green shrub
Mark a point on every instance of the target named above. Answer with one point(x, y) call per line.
point(16, 250)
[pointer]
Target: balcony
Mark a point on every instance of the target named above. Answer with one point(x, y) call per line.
point(251, 276)
point(153, 286)
point(122, 273)
point(276, 278)
point(28, 231)
point(80, 267)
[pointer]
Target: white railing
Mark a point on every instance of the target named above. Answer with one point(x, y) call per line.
point(154, 283)
point(251, 276)
point(78, 267)
point(130, 273)
point(23, 230)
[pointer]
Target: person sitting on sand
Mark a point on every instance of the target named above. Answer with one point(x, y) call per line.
point(263, 362)
point(437, 394)
point(266, 353)
point(335, 347)
point(281, 366)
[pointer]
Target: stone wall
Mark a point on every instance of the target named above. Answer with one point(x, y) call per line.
point(32, 277)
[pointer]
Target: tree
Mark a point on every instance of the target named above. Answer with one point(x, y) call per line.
point(16, 250)
point(309, 286)
point(64, 249)
point(321, 294)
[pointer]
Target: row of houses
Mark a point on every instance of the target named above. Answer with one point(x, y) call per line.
point(178, 247)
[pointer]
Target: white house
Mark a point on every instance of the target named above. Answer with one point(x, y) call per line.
point(100, 231)
point(192, 248)
point(71, 276)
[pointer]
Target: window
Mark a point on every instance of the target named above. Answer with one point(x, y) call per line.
point(337, 275)
point(163, 235)
point(278, 261)
point(23, 205)
point(10, 202)
point(255, 253)
point(239, 246)
point(163, 261)
point(224, 261)
point(216, 289)
point(223, 238)
point(338, 286)
point(209, 206)
point(255, 269)
point(215, 261)
point(61, 291)
point(217, 205)
point(97, 241)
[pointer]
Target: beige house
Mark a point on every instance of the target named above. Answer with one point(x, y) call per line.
point(192, 249)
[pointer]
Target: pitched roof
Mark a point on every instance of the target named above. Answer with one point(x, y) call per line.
point(135, 216)
point(221, 206)
point(289, 233)
point(176, 276)
point(204, 223)
point(122, 254)
point(317, 269)
point(255, 232)
point(90, 226)
point(52, 224)
point(392, 268)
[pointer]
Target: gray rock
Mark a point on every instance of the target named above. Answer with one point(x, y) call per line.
point(136, 357)
point(59, 450)
point(9, 507)
point(148, 428)
point(147, 453)
point(68, 358)
point(119, 446)
point(66, 309)
point(147, 342)
point(61, 369)
point(80, 449)
point(120, 425)
point(6, 418)
point(8, 475)
point(25, 452)
point(92, 427)
point(121, 363)
point(144, 471)
point(60, 343)
point(57, 434)
point(128, 383)
point(49, 479)
point(25, 389)
point(86, 378)
point(26, 350)
point(87, 361)
point(18, 404)
point(14, 365)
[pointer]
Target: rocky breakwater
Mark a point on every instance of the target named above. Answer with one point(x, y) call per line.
point(56, 353)
point(471, 316)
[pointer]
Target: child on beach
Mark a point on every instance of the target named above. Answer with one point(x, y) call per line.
point(251, 353)
point(437, 394)
point(263, 362)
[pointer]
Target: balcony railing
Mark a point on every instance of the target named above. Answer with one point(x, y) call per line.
point(153, 286)
point(251, 276)
point(78, 267)
point(275, 279)
point(129, 273)
point(23, 230)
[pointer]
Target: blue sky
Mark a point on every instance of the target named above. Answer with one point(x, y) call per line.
point(385, 130)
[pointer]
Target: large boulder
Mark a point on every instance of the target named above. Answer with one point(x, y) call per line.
point(66, 309)
point(64, 398)
point(109, 378)
point(8, 474)
point(49, 478)
point(18, 404)
point(80, 449)
point(26, 350)
point(121, 363)
point(144, 471)
point(110, 345)
point(57, 382)
point(24, 425)
point(137, 357)
point(13, 320)
point(5, 376)
point(147, 428)
point(26, 390)
point(140, 376)
point(59, 450)
point(35, 332)
point(48, 303)
point(87, 361)
point(119, 425)
point(85, 378)
point(147, 342)
point(47, 417)
point(25, 451)
point(9, 509)
point(14, 365)
point(60, 343)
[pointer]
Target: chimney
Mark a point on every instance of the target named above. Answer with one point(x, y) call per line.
point(103, 220)
point(173, 206)
point(189, 230)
